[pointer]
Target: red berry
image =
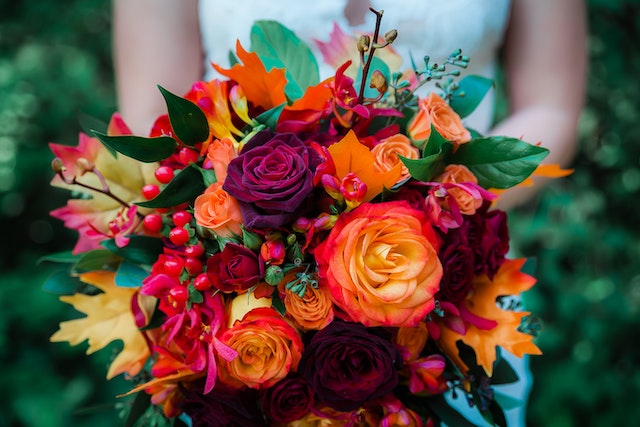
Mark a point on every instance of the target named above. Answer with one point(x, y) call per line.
point(173, 267)
point(152, 223)
point(179, 236)
point(187, 155)
point(202, 282)
point(164, 174)
point(193, 266)
point(195, 251)
point(181, 218)
point(179, 293)
point(150, 191)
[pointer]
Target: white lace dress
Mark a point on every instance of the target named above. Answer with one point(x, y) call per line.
point(425, 27)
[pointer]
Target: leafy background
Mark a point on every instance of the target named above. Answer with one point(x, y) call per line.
point(55, 62)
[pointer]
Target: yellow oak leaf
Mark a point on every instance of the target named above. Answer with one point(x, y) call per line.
point(109, 318)
point(509, 280)
point(350, 155)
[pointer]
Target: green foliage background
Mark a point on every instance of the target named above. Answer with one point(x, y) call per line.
point(55, 62)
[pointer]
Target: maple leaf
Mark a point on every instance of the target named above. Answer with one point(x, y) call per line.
point(109, 318)
point(262, 88)
point(351, 156)
point(124, 176)
point(509, 280)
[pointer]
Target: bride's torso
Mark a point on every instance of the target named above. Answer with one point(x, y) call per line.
point(425, 27)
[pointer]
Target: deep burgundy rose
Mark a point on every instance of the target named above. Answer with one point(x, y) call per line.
point(236, 268)
point(458, 260)
point(495, 240)
point(271, 177)
point(288, 400)
point(347, 365)
point(223, 408)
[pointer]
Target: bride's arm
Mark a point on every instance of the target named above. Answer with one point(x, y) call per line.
point(155, 42)
point(545, 60)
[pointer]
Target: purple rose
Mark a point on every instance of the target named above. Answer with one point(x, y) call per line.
point(288, 400)
point(271, 177)
point(347, 365)
point(236, 268)
point(222, 408)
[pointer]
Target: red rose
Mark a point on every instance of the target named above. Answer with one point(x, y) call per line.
point(236, 268)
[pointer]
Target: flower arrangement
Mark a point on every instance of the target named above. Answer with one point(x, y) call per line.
point(282, 250)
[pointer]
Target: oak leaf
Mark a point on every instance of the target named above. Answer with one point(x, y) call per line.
point(109, 318)
point(481, 302)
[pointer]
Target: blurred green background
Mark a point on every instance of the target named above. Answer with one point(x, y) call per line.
point(585, 230)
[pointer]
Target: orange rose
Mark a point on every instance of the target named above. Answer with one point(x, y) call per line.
point(435, 111)
point(386, 154)
point(216, 210)
point(268, 349)
point(413, 339)
point(380, 264)
point(312, 311)
point(220, 152)
point(458, 174)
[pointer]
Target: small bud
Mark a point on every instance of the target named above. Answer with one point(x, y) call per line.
point(84, 166)
point(331, 185)
point(379, 81)
point(325, 222)
point(390, 36)
point(273, 275)
point(353, 190)
point(273, 252)
point(363, 43)
point(57, 165)
point(301, 225)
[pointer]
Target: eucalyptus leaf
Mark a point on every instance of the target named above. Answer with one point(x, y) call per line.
point(499, 162)
point(270, 39)
point(187, 119)
point(472, 90)
point(139, 250)
point(130, 275)
point(146, 150)
point(186, 185)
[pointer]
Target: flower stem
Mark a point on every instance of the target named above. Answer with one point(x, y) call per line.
point(372, 49)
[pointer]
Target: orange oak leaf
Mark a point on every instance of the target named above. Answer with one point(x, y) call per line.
point(109, 318)
point(263, 88)
point(350, 155)
point(509, 280)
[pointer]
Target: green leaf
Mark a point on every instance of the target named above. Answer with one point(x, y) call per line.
point(499, 162)
point(130, 275)
point(140, 250)
point(271, 40)
point(89, 124)
point(277, 303)
point(140, 404)
point(208, 176)
point(187, 119)
point(446, 413)
point(194, 295)
point(270, 117)
point(147, 150)
point(99, 259)
point(506, 401)
point(472, 89)
point(62, 283)
point(503, 373)
point(435, 152)
point(66, 257)
point(184, 187)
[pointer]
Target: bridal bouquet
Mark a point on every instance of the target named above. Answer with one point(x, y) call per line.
point(281, 250)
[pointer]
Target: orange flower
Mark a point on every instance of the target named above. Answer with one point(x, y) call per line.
point(218, 211)
point(220, 152)
point(380, 264)
point(458, 174)
point(314, 310)
point(387, 151)
point(268, 349)
point(435, 111)
point(413, 339)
